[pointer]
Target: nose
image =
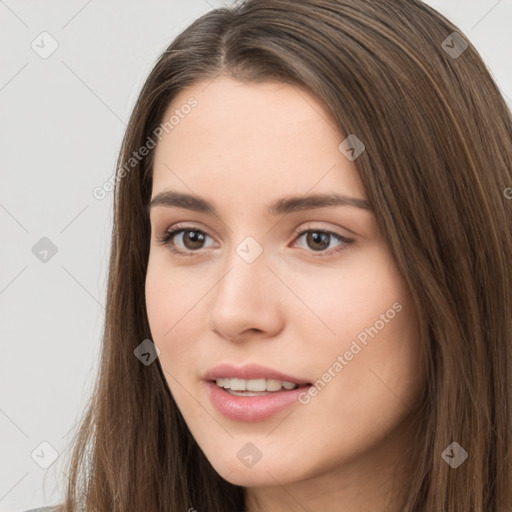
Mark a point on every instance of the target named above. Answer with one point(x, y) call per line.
point(247, 301)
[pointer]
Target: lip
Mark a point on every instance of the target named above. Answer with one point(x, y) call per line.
point(252, 408)
point(248, 372)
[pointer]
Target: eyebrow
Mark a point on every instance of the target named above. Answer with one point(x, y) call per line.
point(281, 206)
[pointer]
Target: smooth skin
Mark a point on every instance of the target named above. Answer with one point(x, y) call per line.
point(296, 308)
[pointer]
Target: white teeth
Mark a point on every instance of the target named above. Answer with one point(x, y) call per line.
point(255, 384)
point(275, 385)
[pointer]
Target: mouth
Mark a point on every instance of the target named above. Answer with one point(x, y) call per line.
point(256, 387)
point(264, 398)
point(253, 392)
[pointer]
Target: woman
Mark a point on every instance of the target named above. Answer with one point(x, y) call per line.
point(310, 287)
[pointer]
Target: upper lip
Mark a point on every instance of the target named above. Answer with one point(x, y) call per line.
point(248, 372)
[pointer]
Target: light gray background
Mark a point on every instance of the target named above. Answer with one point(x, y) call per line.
point(62, 121)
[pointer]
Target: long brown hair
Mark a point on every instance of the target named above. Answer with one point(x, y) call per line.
point(436, 169)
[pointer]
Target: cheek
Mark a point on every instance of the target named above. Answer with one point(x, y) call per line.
point(175, 309)
point(167, 301)
point(169, 293)
point(350, 296)
point(158, 289)
point(374, 329)
point(383, 374)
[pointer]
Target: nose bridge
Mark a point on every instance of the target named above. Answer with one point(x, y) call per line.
point(247, 269)
point(243, 299)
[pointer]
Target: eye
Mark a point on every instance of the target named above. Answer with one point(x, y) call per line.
point(195, 241)
point(320, 239)
point(194, 238)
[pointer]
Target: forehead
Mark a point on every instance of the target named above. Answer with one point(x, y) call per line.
point(251, 138)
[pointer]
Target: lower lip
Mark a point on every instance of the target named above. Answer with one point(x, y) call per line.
point(252, 408)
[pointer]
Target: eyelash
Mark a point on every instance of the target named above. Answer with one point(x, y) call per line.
point(169, 234)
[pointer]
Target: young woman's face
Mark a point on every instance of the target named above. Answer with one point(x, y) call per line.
point(249, 290)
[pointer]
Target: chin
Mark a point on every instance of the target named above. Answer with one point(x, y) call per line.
point(262, 473)
point(252, 477)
